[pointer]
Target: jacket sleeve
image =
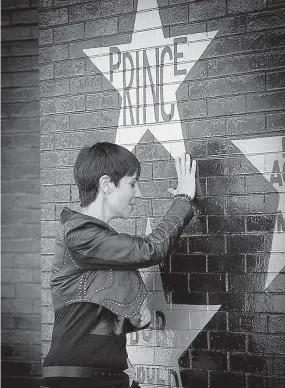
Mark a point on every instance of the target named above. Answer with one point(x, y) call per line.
point(104, 249)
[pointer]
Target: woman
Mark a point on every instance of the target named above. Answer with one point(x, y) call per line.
point(98, 294)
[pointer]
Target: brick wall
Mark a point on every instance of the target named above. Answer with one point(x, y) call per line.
point(218, 301)
point(21, 275)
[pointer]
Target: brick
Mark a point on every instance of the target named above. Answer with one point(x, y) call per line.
point(84, 12)
point(226, 105)
point(47, 142)
point(193, 109)
point(51, 88)
point(260, 223)
point(247, 322)
point(5, 18)
point(66, 158)
point(55, 193)
point(7, 291)
point(206, 282)
point(126, 22)
point(101, 27)
point(109, 118)
point(64, 176)
point(249, 243)
point(265, 20)
point(206, 128)
point(224, 225)
point(276, 324)
point(46, 72)
point(276, 59)
point(54, 123)
point(24, 352)
point(70, 104)
point(68, 140)
point(45, 3)
point(46, 36)
point(8, 4)
point(23, 155)
point(48, 315)
point(208, 360)
point(275, 39)
point(276, 121)
point(25, 17)
point(53, 53)
point(47, 211)
point(48, 228)
point(188, 29)
point(18, 231)
point(102, 100)
point(174, 15)
point(47, 246)
point(20, 48)
point(76, 48)
point(21, 305)
point(19, 33)
point(207, 88)
point(162, 170)
point(151, 153)
point(27, 291)
point(207, 244)
point(213, 167)
point(266, 343)
point(46, 297)
point(69, 68)
point(234, 25)
point(244, 6)
point(227, 379)
point(113, 7)
point(116, 40)
point(218, 147)
point(207, 10)
point(23, 140)
point(275, 80)
point(21, 245)
point(85, 84)
point(47, 106)
point(245, 83)
point(30, 78)
point(22, 109)
point(16, 275)
point(11, 65)
point(268, 101)
point(69, 33)
point(53, 17)
point(246, 124)
point(232, 263)
point(85, 120)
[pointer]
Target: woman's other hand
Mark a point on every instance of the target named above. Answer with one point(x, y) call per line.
point(142, 318)
point(186, 176)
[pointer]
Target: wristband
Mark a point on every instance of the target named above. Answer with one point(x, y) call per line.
point(184, 196)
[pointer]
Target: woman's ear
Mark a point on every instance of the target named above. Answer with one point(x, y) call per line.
point(105, 184)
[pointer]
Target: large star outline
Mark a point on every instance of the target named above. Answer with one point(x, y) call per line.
point(148, 42)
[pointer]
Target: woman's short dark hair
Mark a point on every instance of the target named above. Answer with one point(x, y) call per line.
point(102, 159)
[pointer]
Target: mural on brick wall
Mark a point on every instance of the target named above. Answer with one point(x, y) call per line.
point(208, 297)
point(208, 84)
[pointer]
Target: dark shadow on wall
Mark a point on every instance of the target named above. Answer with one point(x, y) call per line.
point(20, 149)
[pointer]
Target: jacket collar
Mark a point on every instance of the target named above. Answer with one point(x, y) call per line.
point(67, 214)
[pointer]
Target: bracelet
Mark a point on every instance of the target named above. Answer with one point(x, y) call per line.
point(184, 196)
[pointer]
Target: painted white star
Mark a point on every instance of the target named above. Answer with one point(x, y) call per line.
point(182, 324)
point(267, 155)
point(158, 63)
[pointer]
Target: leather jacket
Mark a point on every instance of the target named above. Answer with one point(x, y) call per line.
point(93, 263)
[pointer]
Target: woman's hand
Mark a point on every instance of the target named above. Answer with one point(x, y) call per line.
point(142, 318)
point(186, 176)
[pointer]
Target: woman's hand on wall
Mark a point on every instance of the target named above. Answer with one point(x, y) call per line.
point(186, 176)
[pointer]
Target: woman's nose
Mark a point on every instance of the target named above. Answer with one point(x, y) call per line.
point(138, 192)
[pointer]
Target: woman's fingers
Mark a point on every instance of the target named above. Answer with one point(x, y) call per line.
point(187, 163)
point(178, 168)
point(193, 168)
